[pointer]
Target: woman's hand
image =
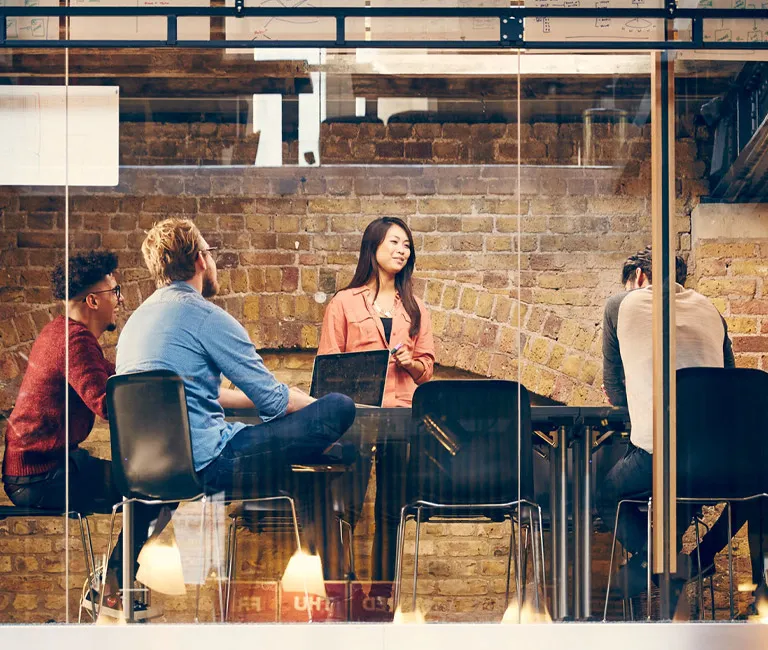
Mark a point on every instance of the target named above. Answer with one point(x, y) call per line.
point(403, 357)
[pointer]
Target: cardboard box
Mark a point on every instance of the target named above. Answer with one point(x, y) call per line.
point(333, 608)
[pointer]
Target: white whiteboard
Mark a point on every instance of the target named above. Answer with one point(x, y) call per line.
point(594, 29)
point(285, 28)
point(309, 28)
point(35, 122)
point(735, 31)
point(145, 28)
point(45, 28)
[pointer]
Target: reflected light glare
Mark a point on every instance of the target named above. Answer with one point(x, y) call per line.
point(160, 568)
point(762, 610)
point(405, 618)
point(525, 614)
point(304, 574)
point(106, 619)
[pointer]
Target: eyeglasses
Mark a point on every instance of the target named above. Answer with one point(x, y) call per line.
point(115, 290)
point(211, 250)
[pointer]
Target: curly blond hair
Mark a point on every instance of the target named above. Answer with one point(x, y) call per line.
point(170, 250)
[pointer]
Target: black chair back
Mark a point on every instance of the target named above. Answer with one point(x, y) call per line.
point(466, 442)
point(722, 432)
point(149, 430)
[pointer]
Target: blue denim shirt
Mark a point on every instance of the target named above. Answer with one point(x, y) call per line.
point(177, 329)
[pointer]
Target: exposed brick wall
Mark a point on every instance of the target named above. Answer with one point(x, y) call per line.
point(733, 273)
point(289, 234)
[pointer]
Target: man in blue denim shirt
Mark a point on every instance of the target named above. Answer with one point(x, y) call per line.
point(177, 329)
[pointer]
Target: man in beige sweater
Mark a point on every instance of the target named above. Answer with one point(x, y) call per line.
point(701, 340)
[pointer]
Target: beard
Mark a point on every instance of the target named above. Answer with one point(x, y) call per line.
point(210, 285)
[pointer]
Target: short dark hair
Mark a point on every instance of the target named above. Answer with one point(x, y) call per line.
point(643, 260)
point(85, 270)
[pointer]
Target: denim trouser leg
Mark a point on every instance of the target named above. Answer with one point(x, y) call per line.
point(257, 461)
point(630, 478)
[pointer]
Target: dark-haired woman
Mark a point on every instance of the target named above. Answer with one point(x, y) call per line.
point(378, 311)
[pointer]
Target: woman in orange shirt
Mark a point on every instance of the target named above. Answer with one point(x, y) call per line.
point(378, 311)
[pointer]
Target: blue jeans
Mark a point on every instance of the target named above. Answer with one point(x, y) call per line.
point(632, 478)
point(257, 461)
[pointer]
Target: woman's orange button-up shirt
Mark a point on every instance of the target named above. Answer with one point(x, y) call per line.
point(351, 324)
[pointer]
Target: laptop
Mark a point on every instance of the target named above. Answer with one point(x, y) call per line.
point(361, 376)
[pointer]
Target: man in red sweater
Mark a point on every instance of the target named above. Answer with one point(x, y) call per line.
point(36, 438)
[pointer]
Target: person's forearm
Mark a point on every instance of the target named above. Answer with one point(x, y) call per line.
point(234, 399)
point(297, 400)
point(416, 369)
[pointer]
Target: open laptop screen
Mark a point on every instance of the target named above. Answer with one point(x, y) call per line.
point(359, 375)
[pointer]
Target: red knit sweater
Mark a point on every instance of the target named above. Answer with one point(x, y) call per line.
point(35, 438)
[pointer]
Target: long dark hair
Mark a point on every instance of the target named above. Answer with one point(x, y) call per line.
point(366, 267)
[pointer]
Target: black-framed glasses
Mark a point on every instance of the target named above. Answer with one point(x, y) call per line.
point(211, 250)
point(115, 290)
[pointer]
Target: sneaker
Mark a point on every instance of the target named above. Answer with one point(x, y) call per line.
point(632, 578)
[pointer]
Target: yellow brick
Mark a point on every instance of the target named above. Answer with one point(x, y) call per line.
point(309, 337)
point(439, 320)
point(309, 280)
point(334, 206)
point(472, 327)
point(537, 350)
point(434, 292)
point(583, 339)
point(468, 300)
point(484, 305)
point(546, 383)
point(572, 365)
point(509, 340)
point(749, 267)
point(239, 278)
point(720, 249)
point(556, 358)
point(251, 308)
point(722, 287)
point(741, 324)
point(482, 363)
point(450, 297)
point(455, 325)
point(589, 372)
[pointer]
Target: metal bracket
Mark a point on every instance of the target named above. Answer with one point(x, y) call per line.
point(551, 441)
point(511, 32)
point(239, 6)
point(671, 7)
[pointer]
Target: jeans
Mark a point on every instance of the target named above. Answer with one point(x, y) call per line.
point(91, 490)
point(257, 461)
point(632, 478)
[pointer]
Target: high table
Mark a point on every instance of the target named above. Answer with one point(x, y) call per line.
point(583, 428)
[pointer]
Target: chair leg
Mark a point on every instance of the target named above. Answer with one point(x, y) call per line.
point(90, 567)
point(201, 580)
point(231, 564)
point(399, 556)
point(351, 574)
point(217, 552)
point(103, 581)
point(538, 561)
point(416, 557)
point(512, 549)
point(730, 563)
point(610, 565)
point(700, 580)
point(648, 547)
